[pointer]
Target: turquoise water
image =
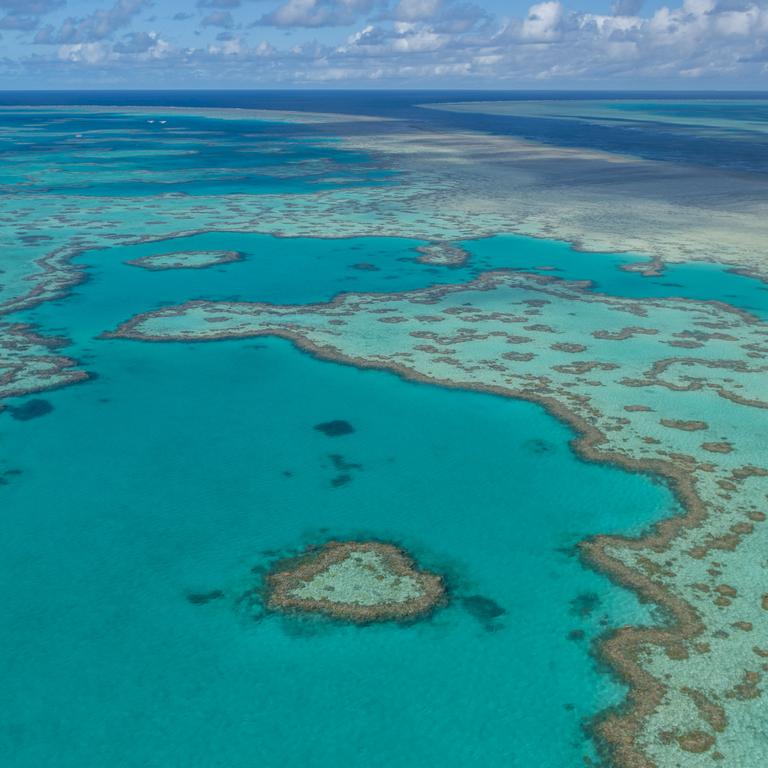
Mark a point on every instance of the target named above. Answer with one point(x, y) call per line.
point(166, 475)
point(331, 266)
point(708, 282)
point(183, 467)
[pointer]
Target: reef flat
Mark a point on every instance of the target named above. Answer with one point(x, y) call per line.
point(61, 197)
point(354, 581)
point(451, 185)
point(673, 388)
point(442, 254)
point(29, 362)
point(600, 201)
point(670, 387)
point(185, 259)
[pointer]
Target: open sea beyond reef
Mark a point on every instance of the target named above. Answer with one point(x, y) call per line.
point(142, 507)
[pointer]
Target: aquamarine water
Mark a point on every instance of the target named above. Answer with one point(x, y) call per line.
point(699, 281)
point(166, 475)
point(181, 465)
point(372, 264)
point(187, 468)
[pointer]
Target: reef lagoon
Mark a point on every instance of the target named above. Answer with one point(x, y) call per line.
point(237, 333)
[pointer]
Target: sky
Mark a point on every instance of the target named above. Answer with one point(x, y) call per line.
point(507, 44)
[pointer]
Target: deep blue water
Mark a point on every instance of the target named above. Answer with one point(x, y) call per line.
point(114, 155)
point(653, 141)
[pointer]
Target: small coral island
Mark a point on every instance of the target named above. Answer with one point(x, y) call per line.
point(442, 254)
point(186, 260)
point(358, 581)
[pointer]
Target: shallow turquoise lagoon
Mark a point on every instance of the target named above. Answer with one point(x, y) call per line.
point(168, 475)
point(327, 267)
point(707, 282)
point(184, 469)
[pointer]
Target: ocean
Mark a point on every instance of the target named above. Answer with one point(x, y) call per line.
point(142, 510)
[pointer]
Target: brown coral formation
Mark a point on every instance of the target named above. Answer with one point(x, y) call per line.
point(354, 581)
point(442, 254)
point(185, 260)
point(718, 447)
point(696, 741)
point(470, 357)
point(29, 362)
point(686, 426)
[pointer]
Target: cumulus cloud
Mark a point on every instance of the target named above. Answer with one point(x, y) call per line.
point(31, 7)
point(460, 17)
point(135, 42)
point(626, 7)
point(543, 22)
point(697, 39)
point(316, 13)
point(450, 16)
point(25, 14)
point(84, 53)
point(221, 19)
point(417, 10)
point(219, 3)
point(98, 25)
point(404, 38)
point(448, 41)
point(137, 47)
point(17, 22)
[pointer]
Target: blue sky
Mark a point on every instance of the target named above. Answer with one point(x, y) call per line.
point(685, 44)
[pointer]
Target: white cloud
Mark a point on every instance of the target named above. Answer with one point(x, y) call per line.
point(25, 15)
point(543, 22)
point(86, 53)
point(232, 47)
point(415, 10)
point(626, 7)
point(414, 41)
point(316, 13)
point(99, 25)
point(221, 19)
point(418, 40)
